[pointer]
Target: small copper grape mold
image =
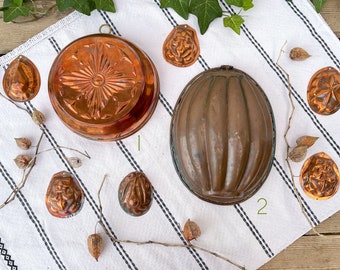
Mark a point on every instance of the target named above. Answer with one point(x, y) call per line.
point(319, 177)
point(181, 47)
point(135, 194)
point(21, 81)
point(64, 196)
point(103, 87)
point(323, 92)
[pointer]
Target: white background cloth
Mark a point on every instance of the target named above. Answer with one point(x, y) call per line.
point(33, 239)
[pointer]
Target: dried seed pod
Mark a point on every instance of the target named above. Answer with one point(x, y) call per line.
point(23, 143)
point(95, 245)
point(21, 81)
point(298, 153)
point(306, 140)
point(319, 177)
point(38, 117)
point(191, 230)
point(23, 161)
point(64, 196)
point(135, 194)
point(298, 54)
point(75, 162)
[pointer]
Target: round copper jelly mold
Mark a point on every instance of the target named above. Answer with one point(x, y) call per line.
point(103, 87)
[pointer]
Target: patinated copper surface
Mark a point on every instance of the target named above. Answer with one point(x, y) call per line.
point(223, 136)
point(320, 177)
point(181, 47)
point(103, 87)
point(64, 196)
point(21, 81)
point(323, 92)
point(135, 194)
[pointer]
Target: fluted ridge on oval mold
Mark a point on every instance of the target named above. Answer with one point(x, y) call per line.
point(223, 136)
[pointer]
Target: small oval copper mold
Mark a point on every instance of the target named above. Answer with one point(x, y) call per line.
point(64, 196)
point(323, 92)
point(319, 177)
point(21, 81)
point(135, 194)
point(181, 47)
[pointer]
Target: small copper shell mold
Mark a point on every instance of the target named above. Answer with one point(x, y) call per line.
point(21, 81)
point(64, 196)
point(135, 194)
point(319, 177)
point(181, 47)
point(323, 92)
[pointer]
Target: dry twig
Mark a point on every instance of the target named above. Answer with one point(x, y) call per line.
point(23, 181)
point(151, 242)
point(287, 143)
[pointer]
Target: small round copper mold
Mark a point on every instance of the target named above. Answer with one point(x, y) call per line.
point(222, 136)
point(319, 177)
point(135, 194)
point(181, 47)
point(64, 196)
point(103, 87)
point(323, 92)
point(21, 81)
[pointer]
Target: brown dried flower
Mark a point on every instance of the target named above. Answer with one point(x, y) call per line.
point(23, 161)
point(95, 245)
point(191, 230)
point(298, 153)
point(75, 162)
point(306, 140)
point(298, 54)
point(38, 117)
point(23, 143)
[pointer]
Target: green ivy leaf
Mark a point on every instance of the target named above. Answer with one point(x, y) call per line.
point(12, 12)
point(245, 4)
point(318, 4)
point(64, 4)
point(106, 5)
point(180, 6)
point(234, 22)
point(206, 11)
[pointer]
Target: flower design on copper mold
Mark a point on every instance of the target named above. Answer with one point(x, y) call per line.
point(100, 81)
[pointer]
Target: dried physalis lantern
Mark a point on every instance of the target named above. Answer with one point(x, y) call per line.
point(191, 230)
point(320, 177)
point(135, 194)
point(21, 81)
point(95, 245)
point(64, 196)
point(298, 54)
point(324, 91)
point(181, 47)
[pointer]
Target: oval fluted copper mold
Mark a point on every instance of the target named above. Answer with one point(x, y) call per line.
point(135, 194)
point(103, 87)
point(323, 92)
point(64, 196)
point(181, 47)
point(223, 136)
point(21, 81)
point(319, 177)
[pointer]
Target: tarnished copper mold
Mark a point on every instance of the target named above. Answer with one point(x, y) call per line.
point(103, 87)
point(223, 136)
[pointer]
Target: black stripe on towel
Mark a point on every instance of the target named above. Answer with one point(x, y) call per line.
point(130, 264)
point(7, 258)
point(33, 218)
